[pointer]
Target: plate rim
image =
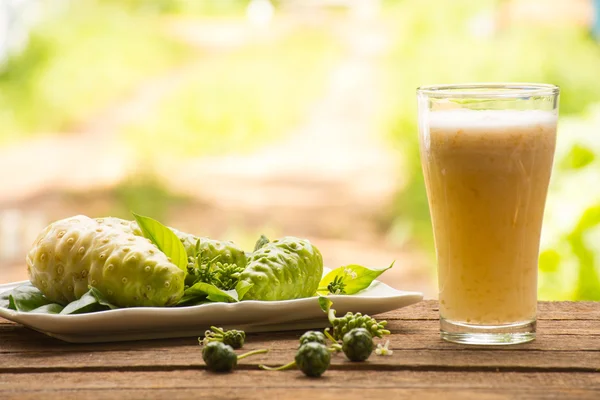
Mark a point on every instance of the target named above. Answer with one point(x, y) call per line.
point(183, 310)
point(66, 327)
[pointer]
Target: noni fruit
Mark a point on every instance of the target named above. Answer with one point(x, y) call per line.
point(284, 269)
point(123, 224)
point(188, 240)
point(224, 257)
point(207, 256)
point(224, 251)
point(71, 254)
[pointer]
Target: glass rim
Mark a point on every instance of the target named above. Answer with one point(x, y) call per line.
point(489, 90)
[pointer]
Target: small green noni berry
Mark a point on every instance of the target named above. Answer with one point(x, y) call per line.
point(312, 336)
point(220, 357)
point(313, 359)
point(357, 344)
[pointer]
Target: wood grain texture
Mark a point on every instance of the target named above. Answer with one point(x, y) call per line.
point(290, 384)
point(563, 363)
point(563, 310)
point(234, 393)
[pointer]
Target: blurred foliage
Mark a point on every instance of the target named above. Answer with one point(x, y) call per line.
point(146, 195)
point(570, 251)
point(142, 192)
point(187, 7)
point(240, 99)
point(77, 62)
point(462, 42)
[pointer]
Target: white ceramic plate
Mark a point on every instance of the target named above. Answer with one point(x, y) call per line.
point(252, 316)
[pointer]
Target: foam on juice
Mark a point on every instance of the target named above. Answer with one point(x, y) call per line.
point(490, 120)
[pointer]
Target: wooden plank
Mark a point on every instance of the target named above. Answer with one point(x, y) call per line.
point(562, 345)
point(292, 379)
point(292, 384)
point(28, 342)
point(545, 327)
point(421, 359)
point(553, 336)
point(417, 327)
point(326, 393)
point(428, 310)
point(560, 310)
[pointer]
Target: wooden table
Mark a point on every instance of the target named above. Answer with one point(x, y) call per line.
point(563, 363)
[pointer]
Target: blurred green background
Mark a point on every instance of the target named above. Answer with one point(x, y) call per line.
point(231, 118)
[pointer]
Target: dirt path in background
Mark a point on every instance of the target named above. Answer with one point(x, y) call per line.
point(331, 179)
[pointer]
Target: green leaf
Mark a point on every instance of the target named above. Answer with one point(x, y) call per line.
point(229, 296)
point(91, 301)
point(27, 297)
point(164, 239)
point(192, 301)
point(100, 298)
point(242, 288)
point(355, 278)
point(52, 308)
point(192, 298)
point(210, 292)
point(5, 300)
point(86, 303)
point(325, 304)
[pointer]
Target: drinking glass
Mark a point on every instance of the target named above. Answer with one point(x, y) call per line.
point(486, 153)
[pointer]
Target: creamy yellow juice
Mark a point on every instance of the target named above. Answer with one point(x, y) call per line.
point(487, 175)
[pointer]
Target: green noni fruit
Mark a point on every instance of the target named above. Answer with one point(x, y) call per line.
point(71, 254)
point(284, 269)
point(223, 251)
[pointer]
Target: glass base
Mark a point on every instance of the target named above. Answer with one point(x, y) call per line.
point(458, 332)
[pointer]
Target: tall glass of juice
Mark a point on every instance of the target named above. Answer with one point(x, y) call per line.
point(486, 153)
